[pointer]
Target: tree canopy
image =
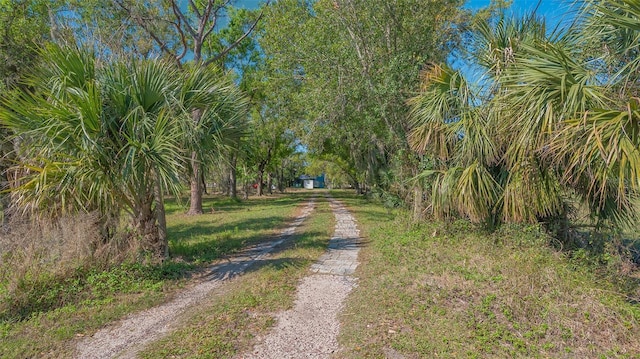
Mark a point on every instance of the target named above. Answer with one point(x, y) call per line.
point(110, 104)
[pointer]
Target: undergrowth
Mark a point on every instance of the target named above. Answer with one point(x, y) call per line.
point(58, 284)
point(53, 264)
point(452, 290)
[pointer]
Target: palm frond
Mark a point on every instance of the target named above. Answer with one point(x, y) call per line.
point(602, 149)
point(436, 111)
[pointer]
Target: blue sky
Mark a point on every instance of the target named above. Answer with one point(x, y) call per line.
point(554, 10)
point(249, 4)
point(546, 6)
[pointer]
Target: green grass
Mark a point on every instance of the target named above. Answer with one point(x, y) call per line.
point(446, 290)
point(57, 308)
point(455, 291)
point(228, 322)
point(230, 226)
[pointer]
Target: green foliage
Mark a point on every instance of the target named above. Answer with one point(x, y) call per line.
point(114, 136)
point(41, 293)
point(24, 26)
point(550, 121)
point(346, 67)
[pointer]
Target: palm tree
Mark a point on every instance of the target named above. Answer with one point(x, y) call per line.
point(581, 101)
point(219, 120)
point(111, 137)
point(98, 138)
point(551, 121)
point(600, 148)
point(463, 126)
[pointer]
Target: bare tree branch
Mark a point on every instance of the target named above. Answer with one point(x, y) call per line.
point(205, 18)
point(215, 18)
point(195, 8)
point(139, 20)
point(183, 39)
point(182, 25)
point(178, 13)
point(237, 42)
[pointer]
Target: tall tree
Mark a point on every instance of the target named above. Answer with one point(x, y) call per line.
point(183, 32)
point(350, 65)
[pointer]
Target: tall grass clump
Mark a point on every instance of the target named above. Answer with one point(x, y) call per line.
point(45, 263)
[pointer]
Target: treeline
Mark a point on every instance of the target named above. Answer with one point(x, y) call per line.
point(491, 117)
point(133, 100)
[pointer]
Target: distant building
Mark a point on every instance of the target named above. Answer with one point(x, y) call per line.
point(309, 182)
point(318, 182)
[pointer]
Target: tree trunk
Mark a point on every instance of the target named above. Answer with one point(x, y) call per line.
point(260, 178)
point(246, 190)
point(195, 206)
point(145, 228)
point(203, 182)
point(233, 180)
point(281, 181)
point(53, 25)
point(226, 183)
point(269, 183)
point(163, 243)
point(417, 203)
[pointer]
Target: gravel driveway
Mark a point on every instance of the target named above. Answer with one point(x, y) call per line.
point(310, 329)
point(126, 338)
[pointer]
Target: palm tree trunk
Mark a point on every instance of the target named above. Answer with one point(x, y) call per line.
point(195, 206)
point(163, 242)
point(145, 226)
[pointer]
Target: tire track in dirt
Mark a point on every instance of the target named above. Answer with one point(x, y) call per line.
point(127, 337)
point(310, 329)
